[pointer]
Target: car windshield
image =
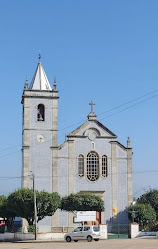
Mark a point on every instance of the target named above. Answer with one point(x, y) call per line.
point(96, 229)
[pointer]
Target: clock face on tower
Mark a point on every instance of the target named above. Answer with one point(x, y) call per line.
point(40, 138)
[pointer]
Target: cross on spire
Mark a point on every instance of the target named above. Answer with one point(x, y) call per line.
point(39, 56)
point(92, 104)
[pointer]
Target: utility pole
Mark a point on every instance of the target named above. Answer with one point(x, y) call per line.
point(35, 207)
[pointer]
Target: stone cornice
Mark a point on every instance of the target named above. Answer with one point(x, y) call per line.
point(121, 145)
point(39, 97)
point(25, 147)
point(99, 137)
point(29, 129)
point(54, 147)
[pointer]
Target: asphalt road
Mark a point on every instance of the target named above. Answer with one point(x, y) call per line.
point(146, 243)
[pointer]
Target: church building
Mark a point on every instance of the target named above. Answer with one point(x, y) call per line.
point(91, 159)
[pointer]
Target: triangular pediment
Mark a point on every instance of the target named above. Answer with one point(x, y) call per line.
point(92, 125)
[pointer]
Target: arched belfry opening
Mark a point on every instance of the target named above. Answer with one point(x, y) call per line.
point(41, 112)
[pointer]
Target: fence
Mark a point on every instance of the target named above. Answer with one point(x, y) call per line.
point(116, 231)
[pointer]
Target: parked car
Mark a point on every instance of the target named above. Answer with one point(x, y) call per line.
point(83, 233)
point(2, 225)
point(2, 222)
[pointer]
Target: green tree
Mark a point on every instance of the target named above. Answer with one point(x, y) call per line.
point(21, 202)
point(5, 211)
point(82, 202)
point(47, 204)
point(145, 216)
point(151, 197)
point(3, 201)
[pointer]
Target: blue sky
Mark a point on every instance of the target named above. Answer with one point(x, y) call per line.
point(100, 50)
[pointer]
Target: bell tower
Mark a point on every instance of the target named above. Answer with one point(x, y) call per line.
point(39, 132)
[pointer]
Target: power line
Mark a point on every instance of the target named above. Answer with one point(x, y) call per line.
point(76, 175)
point(130, 107)
point(98, 115)
point(116, 107)
point(10, 153)
point(8, 148)
point(126, 103)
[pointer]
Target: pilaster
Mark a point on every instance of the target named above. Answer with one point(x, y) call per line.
point(54, 145)
point(25, 170)
point(54, 121)
point(71, 174)
point(26, 144)
point(55, 151)
point(102, 213)
point(114, 178)
point(55, 169)
point(129, 176)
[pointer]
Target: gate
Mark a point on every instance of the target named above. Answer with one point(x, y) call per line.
point(118, 231)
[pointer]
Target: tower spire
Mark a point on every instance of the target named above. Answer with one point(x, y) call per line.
point(40, 80)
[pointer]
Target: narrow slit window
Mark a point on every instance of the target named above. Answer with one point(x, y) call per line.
point(81, 165)
point(104, 166)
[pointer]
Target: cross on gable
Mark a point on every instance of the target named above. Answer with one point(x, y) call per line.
point(92, 104)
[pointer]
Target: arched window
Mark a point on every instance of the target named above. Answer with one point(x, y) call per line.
point(92, 166)
point(104, 166)
point(81, 165)
point(40, 113)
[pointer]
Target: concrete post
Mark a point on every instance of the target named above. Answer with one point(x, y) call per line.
point(103, 231)
point(134, 229)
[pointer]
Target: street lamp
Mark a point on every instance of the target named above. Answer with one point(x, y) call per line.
point(35, 206)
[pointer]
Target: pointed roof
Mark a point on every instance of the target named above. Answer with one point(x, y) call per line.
point(40, 81)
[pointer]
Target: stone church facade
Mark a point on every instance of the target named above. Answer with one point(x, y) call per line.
point(90, 160)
